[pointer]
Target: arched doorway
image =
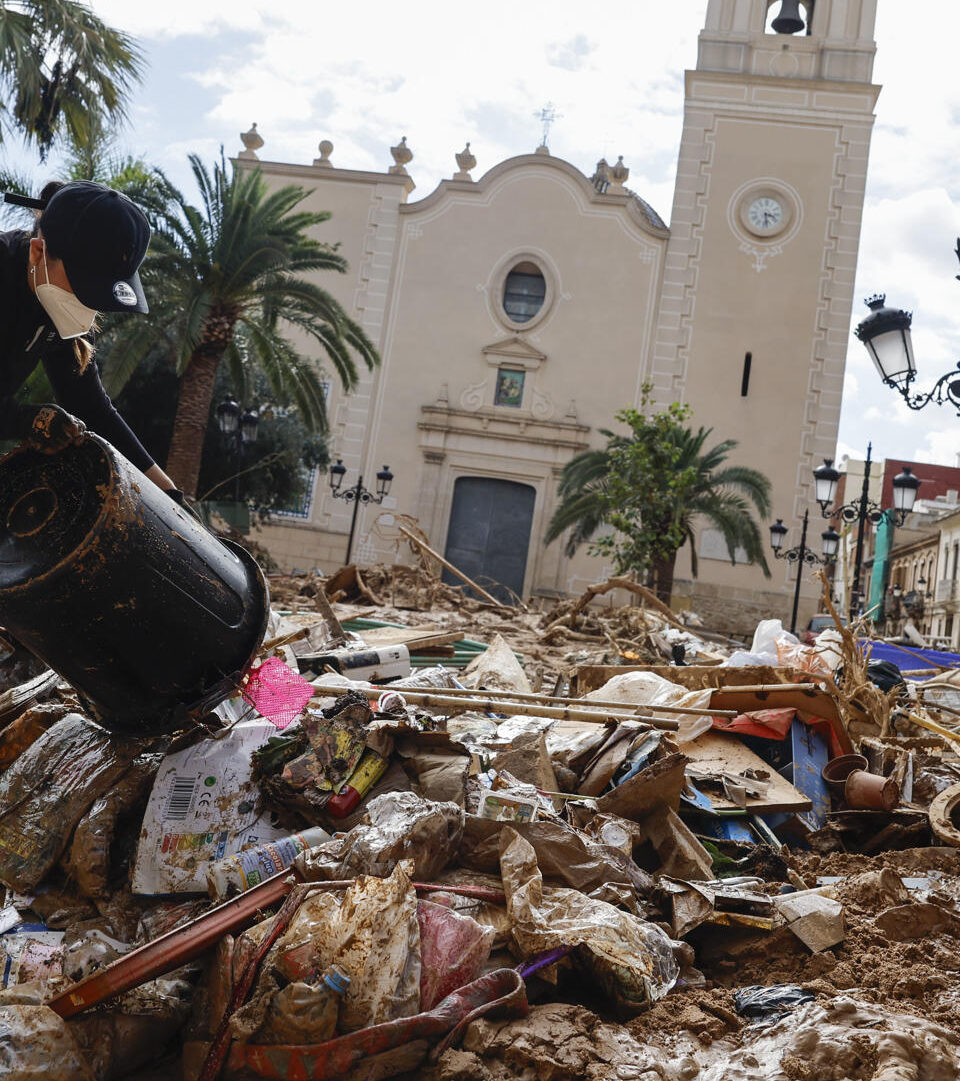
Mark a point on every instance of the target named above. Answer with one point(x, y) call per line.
point(489, 533)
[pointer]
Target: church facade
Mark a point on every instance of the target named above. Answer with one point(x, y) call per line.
point(517, 312)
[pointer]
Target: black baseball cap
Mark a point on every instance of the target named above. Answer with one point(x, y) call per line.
point(102, 237)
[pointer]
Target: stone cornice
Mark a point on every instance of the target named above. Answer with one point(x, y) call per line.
point(775, 82)
point(325, 172)
point(496, 424)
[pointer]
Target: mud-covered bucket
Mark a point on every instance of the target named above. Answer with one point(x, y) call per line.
point(119, 590)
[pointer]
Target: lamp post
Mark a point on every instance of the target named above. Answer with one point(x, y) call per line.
point(239, 428)
point(801, 554)
point(358, 494)
point(885, 333)
point(905, 487)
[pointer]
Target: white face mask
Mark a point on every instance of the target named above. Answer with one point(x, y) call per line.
point(71, 317)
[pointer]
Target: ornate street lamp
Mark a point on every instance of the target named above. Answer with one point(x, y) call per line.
point(357, 494)
point(239, 429)
point(886, 335)
point(801, 554)
point(905, 487)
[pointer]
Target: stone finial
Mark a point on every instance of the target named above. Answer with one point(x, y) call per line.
point(402, 156)
point(619, 174)
point(326, 149)
point(601, 177)
point(443, 398)
point(571, 413)
point(252, 141)
point(465, 162)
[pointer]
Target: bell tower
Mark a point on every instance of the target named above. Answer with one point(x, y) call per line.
point(754, 317)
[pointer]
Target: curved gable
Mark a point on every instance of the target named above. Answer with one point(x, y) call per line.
point(572, 179)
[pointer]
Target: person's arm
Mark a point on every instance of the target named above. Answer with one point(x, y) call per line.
point(83, 394)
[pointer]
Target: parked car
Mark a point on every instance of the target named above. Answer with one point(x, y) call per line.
point(816, 626)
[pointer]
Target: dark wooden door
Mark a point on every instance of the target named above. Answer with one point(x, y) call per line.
point(489, 534)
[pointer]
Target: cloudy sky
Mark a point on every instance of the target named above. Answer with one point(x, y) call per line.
point(363, 74)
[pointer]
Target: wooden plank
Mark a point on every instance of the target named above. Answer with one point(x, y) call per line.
point(412, 637)
point(725, 753)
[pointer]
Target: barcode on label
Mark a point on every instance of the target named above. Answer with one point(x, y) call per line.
point(181, 797)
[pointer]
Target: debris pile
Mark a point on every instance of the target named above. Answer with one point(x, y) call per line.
point(434, 837)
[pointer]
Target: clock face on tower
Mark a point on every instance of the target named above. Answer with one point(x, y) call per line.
point(765, 214)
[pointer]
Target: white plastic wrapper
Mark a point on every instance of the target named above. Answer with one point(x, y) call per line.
point(204, 806)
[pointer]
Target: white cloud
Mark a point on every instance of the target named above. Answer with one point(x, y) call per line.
point(941, 446)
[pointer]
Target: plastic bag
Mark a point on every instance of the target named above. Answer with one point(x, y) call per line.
point(375, 939)
point(649, 690)
point(399, 826)
point(48, 789)
point(629, 960)
point(769, 1003)
point(453, 950)
point(32, 1040)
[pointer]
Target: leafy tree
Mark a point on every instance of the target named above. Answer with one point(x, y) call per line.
point(648, 488)
point(60, 67)
point(224, 285)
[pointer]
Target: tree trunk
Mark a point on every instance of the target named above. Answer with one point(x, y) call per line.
point(663, 572)
point(190, 425)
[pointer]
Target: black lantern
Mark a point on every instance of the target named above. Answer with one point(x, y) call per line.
point(778, 532)
point(384, 480)
point(831, 542)
point(825, 482)
point(886, 334)
point(905, 487)
point(337, 473)
point(249, 423)
point(228, 415)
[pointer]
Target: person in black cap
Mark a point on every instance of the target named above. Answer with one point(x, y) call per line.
point(82, 258)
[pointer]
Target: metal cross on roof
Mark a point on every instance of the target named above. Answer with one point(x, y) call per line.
point(547, 115)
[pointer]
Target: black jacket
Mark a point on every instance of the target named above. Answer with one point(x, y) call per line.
point(27, 337)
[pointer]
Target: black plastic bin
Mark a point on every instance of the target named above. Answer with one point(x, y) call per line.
point(120, 591)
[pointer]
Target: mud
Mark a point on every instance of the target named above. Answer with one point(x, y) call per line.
point(886, 1006)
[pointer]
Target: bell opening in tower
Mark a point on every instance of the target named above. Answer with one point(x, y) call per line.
point(789, 17)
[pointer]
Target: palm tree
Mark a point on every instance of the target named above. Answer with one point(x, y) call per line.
point(724, 496)
point(60, 65)
point(223, 285)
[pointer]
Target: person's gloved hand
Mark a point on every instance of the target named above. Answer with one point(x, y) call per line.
point(53, 429)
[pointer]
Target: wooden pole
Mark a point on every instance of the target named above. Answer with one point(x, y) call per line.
point(499, 705)
point(414, 539)
point(591, 703)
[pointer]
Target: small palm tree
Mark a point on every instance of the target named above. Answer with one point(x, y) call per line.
point(60, 65)
point(725, 496)
point(223, 282)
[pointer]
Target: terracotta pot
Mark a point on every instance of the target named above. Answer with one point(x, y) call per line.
point(868, 792)
point(837, 770)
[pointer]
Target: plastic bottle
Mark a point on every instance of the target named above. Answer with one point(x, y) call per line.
point(370, 769)
point(239, 873)
point(304, 1013)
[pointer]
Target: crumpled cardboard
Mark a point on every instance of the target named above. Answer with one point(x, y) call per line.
point(660, 784)
point(630, 961)
point(529, 761)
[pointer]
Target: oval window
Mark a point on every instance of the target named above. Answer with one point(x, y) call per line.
point(524, 292)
